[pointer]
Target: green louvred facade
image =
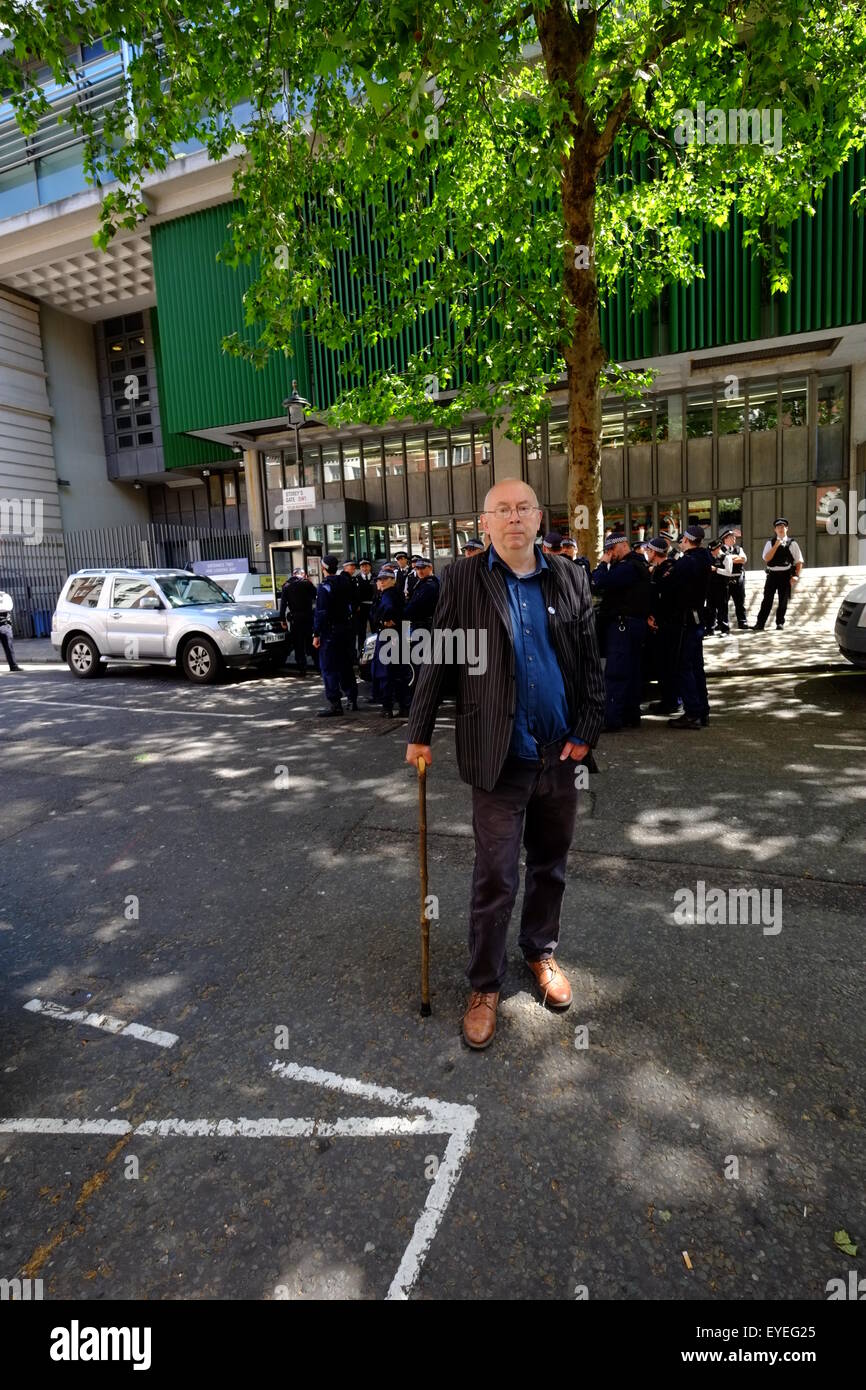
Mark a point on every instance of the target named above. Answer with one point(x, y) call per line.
point(200, 300)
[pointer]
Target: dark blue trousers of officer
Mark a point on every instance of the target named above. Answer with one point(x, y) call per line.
point(336, 663)
point(692, 679)
point(623, 647)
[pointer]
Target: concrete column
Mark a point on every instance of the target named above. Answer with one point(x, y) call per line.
point(256, 508)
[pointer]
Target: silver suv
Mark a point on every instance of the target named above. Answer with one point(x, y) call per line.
point(163, 617)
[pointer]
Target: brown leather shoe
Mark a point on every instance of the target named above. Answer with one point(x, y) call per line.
point(479, 1020)
point(554, 987)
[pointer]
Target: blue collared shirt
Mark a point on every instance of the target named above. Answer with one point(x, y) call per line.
point(541, 708)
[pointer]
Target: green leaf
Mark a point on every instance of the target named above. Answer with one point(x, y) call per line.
point(842, 1241)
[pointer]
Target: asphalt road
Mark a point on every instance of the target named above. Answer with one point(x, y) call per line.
point(219, 865)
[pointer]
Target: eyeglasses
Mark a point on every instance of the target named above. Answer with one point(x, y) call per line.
point(523, 509)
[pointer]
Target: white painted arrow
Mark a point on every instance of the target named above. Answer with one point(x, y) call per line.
point(425, 1116)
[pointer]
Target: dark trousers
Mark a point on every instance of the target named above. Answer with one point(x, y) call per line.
point(668, 641)
point(336, 663)
point(533, 802)
point(737, 589)
point(775, 583)
point(8, 645)
point(717, 603)
point(692, 680)
point(623, 645)
point(362, 626)
point(301, 641)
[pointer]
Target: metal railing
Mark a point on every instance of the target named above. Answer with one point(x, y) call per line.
point(34, 574)
point(98, 85)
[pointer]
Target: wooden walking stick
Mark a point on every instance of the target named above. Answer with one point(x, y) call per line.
point(422, 862)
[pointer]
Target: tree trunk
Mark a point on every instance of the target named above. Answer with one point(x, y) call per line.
point(584, 357)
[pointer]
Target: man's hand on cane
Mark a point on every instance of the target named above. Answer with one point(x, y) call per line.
point(414, 751)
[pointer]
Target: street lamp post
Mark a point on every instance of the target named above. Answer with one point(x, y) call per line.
point(296, 410)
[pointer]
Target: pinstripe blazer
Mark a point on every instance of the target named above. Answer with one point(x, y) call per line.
point(474, 599)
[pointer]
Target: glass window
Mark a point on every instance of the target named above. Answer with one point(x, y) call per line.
point(763, 408)
point(795, 403)
point(699, 414)
point(731, 413)
point(312, 468)
point(331, 463)
point(532, 443)
point(230, 490)
point(398, 537)
point(700, 512)
point(377, 542)
point(18, 191)
point(640, 422)
point(465, 530)
point(292, 474)
point(273, 472)
point(831, 400)
point(614, 520)
point(372, 458)
point(419, 538)
point(641, 520)
point(128, 593)
point(730, 511)
point(483, 445)
point(315, 533)
point(125, 441)
point(612, 427)
point(416, 454)
point(557, 438)
point(352, 461)
point(394, 457)
point(442, 546)
point(85, 591)
point(334, 535)
point(461, 447)
point(670, 518)
point(145, 437)
point(438, 443)
point(60, 174)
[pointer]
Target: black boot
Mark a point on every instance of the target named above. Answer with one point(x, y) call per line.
point(331, 712)
point(684, 722)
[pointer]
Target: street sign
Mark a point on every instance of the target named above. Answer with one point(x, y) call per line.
point(296, 498)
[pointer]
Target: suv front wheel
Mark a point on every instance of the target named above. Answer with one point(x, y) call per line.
point(82, 658)
point(200, 661)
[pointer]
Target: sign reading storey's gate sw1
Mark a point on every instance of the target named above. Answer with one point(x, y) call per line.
point(295, 498)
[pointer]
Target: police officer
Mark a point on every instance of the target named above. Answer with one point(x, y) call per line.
point(403, 572)
point(569, 550)
point(716, 616)
point(689, 581)
point(552, 543)
point(334, 636)
point(473, 547)
point(737, 581)
point(6, 640)
point(366, 596)
point(390, 678)
point(421, 604)
point(297, 600)
point(784, 560)
point(623, 583)
point(665, 629)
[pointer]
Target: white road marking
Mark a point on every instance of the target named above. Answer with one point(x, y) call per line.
point(437, 1117)
point(104, 1022)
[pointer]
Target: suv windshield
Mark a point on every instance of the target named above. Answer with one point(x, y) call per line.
point(182, 590)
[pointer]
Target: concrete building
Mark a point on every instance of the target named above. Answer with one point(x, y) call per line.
point(119, 410)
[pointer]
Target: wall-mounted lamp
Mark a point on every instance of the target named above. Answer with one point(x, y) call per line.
point(137, 485)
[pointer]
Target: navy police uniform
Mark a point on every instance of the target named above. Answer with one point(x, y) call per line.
point(390, 679)
point(626, 598)
point(689, 581)
point(334, 625)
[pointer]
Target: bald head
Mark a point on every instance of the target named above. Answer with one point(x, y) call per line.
point(511, 519)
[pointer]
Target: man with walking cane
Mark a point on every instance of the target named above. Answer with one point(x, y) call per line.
point(526, 715)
